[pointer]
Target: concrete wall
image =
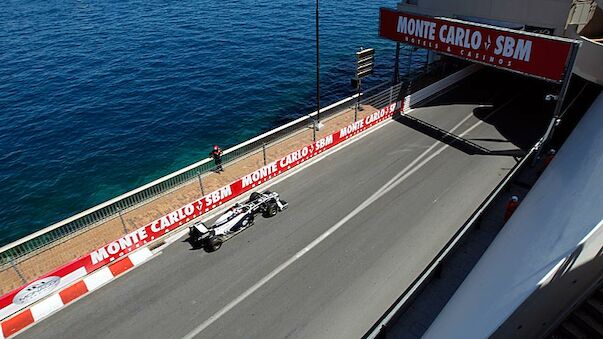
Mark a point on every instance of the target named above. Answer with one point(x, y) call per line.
point(589, 61)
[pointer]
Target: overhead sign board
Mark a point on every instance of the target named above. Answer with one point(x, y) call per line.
point(527, 53)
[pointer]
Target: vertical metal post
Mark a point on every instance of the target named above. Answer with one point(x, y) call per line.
point(123, 223)
point(200, 183)
point(396, 78)
point(317, 72)
point(23, 280)
point(560, 98)
point(391, 94)
point(314, 130)
point(264, 152)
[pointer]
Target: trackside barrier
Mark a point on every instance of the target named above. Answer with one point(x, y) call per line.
point(122, 247)
point(33, 243)
point(14, 300)
point(421, 95)
point(380, 328)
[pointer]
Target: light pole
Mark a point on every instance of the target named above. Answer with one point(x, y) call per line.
point(317, 124)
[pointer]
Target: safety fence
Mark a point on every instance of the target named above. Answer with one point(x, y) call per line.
point(13, 253)
point(54, 266)
point(250, 174)
point(378, 96)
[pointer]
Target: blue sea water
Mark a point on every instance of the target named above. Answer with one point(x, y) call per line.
point(99, 97)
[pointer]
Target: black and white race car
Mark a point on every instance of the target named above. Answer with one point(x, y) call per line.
point(235, 220)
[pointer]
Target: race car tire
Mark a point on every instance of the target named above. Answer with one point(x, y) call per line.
point(213, 244)
point(271, 210)
point(254, 196)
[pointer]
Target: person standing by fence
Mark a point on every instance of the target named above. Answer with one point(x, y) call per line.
point(216, 153)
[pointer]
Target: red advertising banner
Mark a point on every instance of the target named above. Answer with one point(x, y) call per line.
point(527, 53)
point(169, 222)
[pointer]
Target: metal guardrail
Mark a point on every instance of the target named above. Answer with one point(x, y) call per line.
point(18, 250)
point(377, 96)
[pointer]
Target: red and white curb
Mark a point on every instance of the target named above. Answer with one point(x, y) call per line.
point(58, 300)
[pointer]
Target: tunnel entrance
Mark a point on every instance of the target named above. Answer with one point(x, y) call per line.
point(548, 59)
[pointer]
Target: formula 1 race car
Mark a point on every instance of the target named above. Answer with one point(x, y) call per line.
point(235, 220)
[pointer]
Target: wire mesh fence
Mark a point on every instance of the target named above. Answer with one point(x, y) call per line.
point(112, 208)
point(378, 96)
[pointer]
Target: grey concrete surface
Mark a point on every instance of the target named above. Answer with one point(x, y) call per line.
point(343, 285)
point(414, 321)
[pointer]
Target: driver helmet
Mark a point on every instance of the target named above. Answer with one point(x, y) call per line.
point(236, 208)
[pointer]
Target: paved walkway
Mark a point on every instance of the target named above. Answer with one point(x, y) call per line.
point(91, 239)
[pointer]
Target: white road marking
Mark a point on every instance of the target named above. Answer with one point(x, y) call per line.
point(46, 307)
point(140, 256)
point(98, 278)
point(399, 178)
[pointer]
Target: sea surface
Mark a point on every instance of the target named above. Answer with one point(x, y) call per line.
point(99, 97)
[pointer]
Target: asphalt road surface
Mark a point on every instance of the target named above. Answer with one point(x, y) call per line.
point(388, 202)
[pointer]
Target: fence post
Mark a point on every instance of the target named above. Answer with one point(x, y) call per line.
point(264, 152)
point(12, 263)
point(123, 223)
point(200, 183)
point(391, 94)
point(313, 130)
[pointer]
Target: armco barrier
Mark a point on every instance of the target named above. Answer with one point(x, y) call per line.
point(156, 229)
point(67, 274)
point(33, 243)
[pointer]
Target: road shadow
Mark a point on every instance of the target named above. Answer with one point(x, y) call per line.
point(464, 145)
point(514, 105)
point(522, 122)
point(193, 246)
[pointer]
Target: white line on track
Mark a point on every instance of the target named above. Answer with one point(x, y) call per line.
point(396, 180)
